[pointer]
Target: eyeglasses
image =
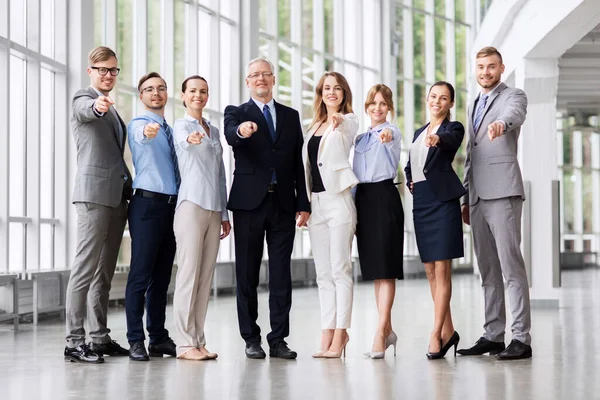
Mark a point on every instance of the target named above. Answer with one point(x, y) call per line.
point(103, 71)
point(151, 89)
point(257, 75)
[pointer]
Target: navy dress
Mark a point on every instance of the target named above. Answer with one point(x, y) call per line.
point(436, 200)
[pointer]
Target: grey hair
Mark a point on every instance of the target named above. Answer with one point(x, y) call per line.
point(255, 60)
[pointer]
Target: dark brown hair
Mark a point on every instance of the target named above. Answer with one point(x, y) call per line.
point(450, 89)
point(320, 108)
point(149, 75)
point(189, 78)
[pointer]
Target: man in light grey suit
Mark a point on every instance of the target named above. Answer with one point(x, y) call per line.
point(102, 188)
point(493, 207)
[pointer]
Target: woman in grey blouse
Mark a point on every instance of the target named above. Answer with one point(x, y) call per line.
point(201, 218)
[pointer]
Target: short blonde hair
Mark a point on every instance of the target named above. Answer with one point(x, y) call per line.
point(99, 54)
point(387, 94)
point(489, 51)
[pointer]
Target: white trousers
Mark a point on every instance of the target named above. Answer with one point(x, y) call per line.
point(331, 228)
point(197, 232)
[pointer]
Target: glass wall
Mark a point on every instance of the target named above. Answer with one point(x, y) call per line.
point(579, 175)
point(176, 38)
point(33, 174)
point(433, 45)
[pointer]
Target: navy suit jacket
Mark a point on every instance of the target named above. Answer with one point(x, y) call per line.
point(257, 156)
point(438, 166)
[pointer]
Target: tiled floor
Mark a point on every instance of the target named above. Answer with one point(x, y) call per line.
point(566, 348)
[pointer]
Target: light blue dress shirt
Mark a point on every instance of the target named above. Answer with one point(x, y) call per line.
point(154, 167)
point(201, 166)
point(375, 161)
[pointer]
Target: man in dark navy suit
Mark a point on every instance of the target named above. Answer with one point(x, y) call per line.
point(267, 195)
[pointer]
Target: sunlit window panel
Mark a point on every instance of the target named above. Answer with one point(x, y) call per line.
point(125, 48)
point(17, 139)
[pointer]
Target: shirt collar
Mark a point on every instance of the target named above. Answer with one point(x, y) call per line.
point(97, 91)
point(188, 117)
point(380, 126)
point(491, 92)
point(154, 117)
point(261, 105)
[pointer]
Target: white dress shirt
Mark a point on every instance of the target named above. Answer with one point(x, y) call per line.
point(201, 166)
point(418, 154)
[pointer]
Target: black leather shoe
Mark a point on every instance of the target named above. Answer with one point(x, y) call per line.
point(516, 350)
point(253, 350)
point(281, 350)
point(111, 348)
point(137, 352)
point(82, 354)
point(482, 346)
point(166, 348)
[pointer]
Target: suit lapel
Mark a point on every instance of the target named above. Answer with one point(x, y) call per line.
point(115, 122)
point(256, 112)
point(490, 100)
point(280, 116)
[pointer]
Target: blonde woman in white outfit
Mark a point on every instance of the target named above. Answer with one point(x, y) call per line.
point(201, 219)
point(331, 225)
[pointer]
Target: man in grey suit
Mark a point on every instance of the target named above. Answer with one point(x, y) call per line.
point(102, 188)
point(493, 207)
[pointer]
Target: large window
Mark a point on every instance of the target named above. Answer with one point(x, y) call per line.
point(579, 176)
point(176, 38)
point(431, 45)
point(33, 173)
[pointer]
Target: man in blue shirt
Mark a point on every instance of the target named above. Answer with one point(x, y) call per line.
point(150, 216)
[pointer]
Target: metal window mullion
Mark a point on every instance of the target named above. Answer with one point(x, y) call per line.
point(140, 43)
point(215, 56)
point(4, 153)
point(409, 71)
point(450, 43)
point(191, 39)
point(296, 62)
point(167, 65)
point(111, 25)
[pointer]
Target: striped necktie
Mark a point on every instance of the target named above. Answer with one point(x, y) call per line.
point(479, 112)
point(169, 134)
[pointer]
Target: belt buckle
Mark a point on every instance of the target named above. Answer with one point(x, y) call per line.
point(271, 188)
point(172, 200)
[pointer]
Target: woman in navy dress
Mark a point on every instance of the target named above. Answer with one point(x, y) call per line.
point(436, 193)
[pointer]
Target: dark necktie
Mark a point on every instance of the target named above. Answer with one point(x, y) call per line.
point(271, 126)
point(167, 129)
point(269, 118)
point(479, 112)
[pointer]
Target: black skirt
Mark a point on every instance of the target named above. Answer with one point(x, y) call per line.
point(438, 225)
point(380, 230)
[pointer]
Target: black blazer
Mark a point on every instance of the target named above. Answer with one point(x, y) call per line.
point(257, 156)
point(438, 166)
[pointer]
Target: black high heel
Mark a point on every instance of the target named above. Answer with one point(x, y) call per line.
point(453, 341)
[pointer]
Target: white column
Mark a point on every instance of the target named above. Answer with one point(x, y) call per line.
point(32, 258)
point(538, 158)
point(4, 124)
point(80, 42)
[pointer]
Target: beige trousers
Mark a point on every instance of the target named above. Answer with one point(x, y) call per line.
point(197, 234)
point(331, 228)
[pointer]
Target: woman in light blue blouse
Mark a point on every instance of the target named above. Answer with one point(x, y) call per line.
point(380, 226)
point(201, 218)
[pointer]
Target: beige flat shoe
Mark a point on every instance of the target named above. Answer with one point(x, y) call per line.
point(211, 356)
point(192, 354)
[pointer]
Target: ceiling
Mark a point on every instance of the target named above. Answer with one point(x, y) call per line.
point(579, 78)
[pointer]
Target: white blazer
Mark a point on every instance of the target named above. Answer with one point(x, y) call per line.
point(332, 158)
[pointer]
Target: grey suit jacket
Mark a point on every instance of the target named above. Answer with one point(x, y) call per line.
point(102, 175)
point(492, 170)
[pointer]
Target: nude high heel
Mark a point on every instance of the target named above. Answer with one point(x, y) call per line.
point(390, 340)
point(338, 354)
